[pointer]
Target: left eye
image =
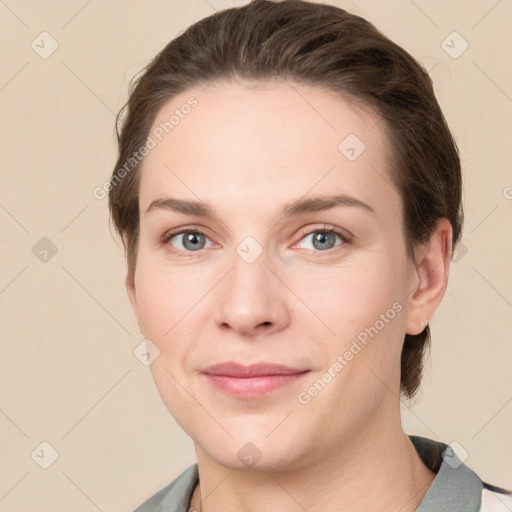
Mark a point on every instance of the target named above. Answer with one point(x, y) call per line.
point(323, 239)
point(190, 240)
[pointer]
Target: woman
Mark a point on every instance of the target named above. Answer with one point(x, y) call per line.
point(289, 197)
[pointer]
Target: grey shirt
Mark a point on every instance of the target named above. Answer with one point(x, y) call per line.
point(456, 488)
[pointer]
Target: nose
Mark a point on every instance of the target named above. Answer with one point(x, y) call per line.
point(251, 299)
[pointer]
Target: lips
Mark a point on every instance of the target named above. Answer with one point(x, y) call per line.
point(252, 381)
point(230, 369)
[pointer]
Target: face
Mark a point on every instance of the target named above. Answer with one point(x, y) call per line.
point(251, 276)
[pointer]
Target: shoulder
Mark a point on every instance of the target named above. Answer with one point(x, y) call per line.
point(456, 487)
point(174, 497)
point(495, 499)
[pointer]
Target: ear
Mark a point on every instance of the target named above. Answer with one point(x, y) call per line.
point(429, 277)
point(132, 295)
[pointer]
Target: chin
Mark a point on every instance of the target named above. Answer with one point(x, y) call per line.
point(250, 458)
point(256, 450)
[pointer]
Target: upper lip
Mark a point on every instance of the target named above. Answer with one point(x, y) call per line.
point(232, 369)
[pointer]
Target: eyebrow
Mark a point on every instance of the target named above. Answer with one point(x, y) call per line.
point(295, 208)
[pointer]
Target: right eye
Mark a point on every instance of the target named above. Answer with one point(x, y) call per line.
point(187, 240)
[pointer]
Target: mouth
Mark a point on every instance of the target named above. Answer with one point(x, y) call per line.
point(252, 381)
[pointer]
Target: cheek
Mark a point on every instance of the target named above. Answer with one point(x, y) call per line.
point(363, 307)
point(164, 296)
point(352, 296)
point(165, 301)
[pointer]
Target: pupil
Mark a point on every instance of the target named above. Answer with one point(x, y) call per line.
point(322, 238)
point(193, 239)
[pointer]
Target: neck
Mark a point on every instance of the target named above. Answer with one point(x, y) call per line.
point(374, 468)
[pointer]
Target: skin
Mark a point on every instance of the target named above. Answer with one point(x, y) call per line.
point(247, 149)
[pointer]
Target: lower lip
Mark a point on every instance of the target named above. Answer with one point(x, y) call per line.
point(252, 387)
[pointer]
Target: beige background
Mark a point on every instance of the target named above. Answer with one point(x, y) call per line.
point(68, 375)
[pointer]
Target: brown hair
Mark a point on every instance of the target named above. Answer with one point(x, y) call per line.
point(319, 45)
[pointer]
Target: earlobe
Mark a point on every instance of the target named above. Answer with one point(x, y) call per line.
point(430, 277)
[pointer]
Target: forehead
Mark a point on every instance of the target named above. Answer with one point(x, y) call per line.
point(258, 145)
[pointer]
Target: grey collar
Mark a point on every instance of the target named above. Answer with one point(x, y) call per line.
point(455, 488)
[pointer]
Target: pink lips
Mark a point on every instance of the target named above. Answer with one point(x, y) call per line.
point(251, 381)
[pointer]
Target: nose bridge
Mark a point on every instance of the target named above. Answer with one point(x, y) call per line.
point(250, 262)
point(250, 277)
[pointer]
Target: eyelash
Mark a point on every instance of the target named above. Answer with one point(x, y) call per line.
point(345, 238)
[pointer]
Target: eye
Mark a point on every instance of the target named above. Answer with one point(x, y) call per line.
point(324, 239)
point(192, 240)
point(187, 240)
